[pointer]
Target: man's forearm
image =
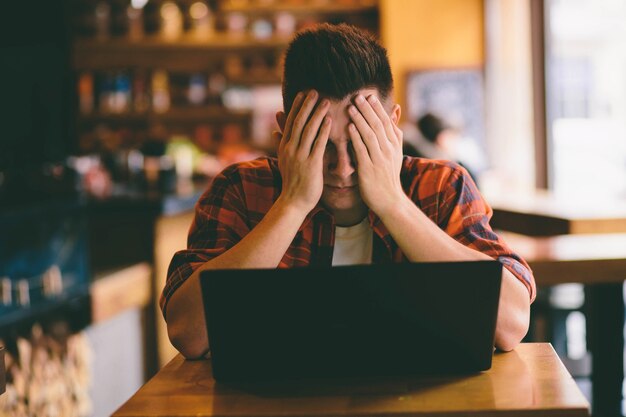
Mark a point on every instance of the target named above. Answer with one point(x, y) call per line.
point(263, 247)
point(421, 240)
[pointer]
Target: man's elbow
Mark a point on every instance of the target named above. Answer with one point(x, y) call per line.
point(507, 339)
point(191, 346)
point(507, 343)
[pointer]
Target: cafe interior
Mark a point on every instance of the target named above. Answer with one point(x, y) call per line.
point(117, 114)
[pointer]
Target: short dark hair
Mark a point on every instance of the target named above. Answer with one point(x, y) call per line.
point(335, 60)
point(430, 126)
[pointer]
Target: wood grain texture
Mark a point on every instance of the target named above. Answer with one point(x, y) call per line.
point(586, 259)
point(529, 381)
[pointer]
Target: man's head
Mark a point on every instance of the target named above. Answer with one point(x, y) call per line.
point(339, 62)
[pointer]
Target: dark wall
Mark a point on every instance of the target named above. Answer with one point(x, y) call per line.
point(34, 85)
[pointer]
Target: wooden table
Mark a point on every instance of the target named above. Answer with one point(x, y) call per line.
point(528, 381)
point(541, 213)
point(599, 262)
point(584, 259)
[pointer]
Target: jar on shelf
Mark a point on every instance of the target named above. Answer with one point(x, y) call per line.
point(202, 20)
point(171, 20)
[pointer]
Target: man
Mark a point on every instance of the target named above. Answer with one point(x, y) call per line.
point(340, 192)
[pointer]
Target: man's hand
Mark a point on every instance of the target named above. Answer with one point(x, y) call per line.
point(301, 150)
point(377, 143)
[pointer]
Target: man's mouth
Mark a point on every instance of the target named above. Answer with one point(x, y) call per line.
point(341, 188)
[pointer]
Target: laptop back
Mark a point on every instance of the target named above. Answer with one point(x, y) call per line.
point(365, 320)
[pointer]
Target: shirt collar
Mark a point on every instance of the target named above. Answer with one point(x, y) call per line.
point(321, 212)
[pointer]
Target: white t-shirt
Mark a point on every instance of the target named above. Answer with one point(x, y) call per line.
point(353, 245)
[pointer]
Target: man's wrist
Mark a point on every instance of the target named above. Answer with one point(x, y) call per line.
point(394, 207)
point(290, 208)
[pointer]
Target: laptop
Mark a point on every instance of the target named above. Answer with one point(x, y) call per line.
point(351, 321)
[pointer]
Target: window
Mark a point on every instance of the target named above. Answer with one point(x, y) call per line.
point(586, 97)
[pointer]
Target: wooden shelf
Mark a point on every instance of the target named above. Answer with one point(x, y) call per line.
point(174, 115)
point(251, 80)
point(305, 8)
point(187, 53)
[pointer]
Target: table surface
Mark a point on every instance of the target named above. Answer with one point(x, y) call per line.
point(585, 259)
point(529, 381)
point(541, 213)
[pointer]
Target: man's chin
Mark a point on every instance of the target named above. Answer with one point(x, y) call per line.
point(334, 203)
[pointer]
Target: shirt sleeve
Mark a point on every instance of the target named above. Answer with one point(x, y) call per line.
point(219, 223)
point(465, 215)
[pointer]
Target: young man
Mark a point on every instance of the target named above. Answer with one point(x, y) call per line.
point(340, 192)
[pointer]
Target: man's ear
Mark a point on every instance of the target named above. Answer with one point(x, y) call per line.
point(281, 119)
point(396, 112)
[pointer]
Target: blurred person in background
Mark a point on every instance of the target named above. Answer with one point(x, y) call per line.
point(435, 138)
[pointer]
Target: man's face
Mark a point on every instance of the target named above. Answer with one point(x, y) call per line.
point(341, 190)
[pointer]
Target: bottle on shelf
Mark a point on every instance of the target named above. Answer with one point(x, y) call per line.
point(261, 29)
point(141, 98)
point(216, 86)
point(160, 91)
point(121, 100)
point(236, 24)
point(171, 21)
point(197, 91)
point(85, 93)
point(103, 20)
point(285, 24)
point(202, 21)
point(135, 22)
point(106, 89)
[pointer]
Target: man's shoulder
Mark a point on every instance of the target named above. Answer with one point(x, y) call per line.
point(252, 184)
point(250, 176)
point(427, 179)
point(263, 167)
point(424, 168)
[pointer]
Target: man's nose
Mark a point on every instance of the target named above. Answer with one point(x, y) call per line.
point(344, 166)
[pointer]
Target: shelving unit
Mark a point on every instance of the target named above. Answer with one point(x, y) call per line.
point(259, 57)
point(257, 60)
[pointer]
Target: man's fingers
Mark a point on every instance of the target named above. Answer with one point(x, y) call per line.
point(317, 151)
point(360, 150)
point(367, 134)
point(384, 118)
point(303, 116)
point(312, 127)
point(371, 117)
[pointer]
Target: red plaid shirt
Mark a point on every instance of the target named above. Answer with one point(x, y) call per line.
point(240, 196)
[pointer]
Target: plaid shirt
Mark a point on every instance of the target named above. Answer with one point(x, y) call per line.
point(243, 193)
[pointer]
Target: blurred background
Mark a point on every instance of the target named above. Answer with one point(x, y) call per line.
point(116, 114)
